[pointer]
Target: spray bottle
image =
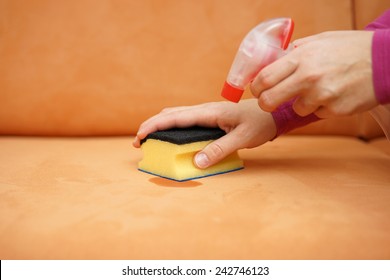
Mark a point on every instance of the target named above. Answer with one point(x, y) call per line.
point(381, 114)
point(262, 45)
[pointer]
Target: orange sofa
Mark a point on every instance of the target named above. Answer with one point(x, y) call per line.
point(79, 76)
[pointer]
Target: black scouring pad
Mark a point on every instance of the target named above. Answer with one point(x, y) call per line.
point(188, 135)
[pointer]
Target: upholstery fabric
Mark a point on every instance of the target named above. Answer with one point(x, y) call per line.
point(85, 67)
point(299, 197)
point(100, 68)
point(382, 144)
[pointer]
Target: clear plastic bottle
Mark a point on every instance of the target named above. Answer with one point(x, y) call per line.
point(381, 114)
point(262, 45)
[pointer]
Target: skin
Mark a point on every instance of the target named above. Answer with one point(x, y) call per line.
point(329, 74)
point(246, 126)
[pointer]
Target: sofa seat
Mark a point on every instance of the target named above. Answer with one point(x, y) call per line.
point(381, 144)
point(299, 197)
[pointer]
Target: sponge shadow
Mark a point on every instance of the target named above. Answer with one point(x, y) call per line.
point(162, 182)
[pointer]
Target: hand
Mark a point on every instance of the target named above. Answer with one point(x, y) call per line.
point(246, 126)
point(329, 74)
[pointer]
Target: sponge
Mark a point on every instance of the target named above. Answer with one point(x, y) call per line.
point(170, 153)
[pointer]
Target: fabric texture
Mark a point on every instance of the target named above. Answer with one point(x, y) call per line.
point(298, 197)
point(84, 67)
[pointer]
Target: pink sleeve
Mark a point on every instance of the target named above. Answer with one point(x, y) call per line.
point(381, 57)
point(382, 22)
point(286, 119)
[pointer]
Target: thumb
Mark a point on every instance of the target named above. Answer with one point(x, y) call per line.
point(217, 150)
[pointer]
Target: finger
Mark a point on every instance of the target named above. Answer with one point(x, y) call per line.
point(166, 119)
point(200, 115)
point(305, 40)
point(161, 121)
point(308, 39)
point(136, 142)
point(218, 149)
point(305, 105)
point(173, 109)
point(282, 92)
point(273, 74)
point(322, 113)
point(163, 112)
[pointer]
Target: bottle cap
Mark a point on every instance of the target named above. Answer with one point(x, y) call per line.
point(231, 93)
point(287, 33)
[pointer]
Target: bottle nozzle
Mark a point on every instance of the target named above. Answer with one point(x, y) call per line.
point(231, 93)
point(261, 46)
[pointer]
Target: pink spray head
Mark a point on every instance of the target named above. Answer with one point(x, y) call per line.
point(262, 45)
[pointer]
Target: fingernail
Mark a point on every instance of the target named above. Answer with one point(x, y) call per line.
point(139, 133)
point(135, 142)
point(202, 160)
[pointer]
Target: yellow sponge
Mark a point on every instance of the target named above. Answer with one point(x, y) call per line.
point(170, 154)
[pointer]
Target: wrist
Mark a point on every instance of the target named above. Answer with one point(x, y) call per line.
point(286, 119)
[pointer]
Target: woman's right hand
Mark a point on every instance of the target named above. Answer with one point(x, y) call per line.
point(245, 124)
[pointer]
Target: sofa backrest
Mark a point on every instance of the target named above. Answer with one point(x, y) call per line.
point(85, 67)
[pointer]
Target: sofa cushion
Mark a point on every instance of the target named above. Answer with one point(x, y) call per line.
point(382, 144)
point(312, 197)
point(366, 11)
point(84, 67)
point(361, 125)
